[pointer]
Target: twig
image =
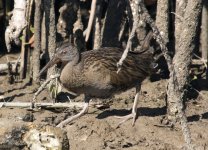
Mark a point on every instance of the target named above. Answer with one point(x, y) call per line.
point(198, 62)
point(202, 59)
point(92, 16)
point(135, 12)
point(44, 85)
point(121, 34)
point(157, 35)
point(178, 16)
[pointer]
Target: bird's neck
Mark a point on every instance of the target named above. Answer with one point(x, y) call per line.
point(76, 57)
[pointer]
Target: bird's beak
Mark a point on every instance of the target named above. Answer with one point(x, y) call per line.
point(52, 62)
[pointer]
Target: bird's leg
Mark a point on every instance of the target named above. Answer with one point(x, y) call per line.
point(133, 114)
point(81, 113)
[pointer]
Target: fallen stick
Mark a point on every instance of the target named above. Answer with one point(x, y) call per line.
point(48, 105)
point(52, 105)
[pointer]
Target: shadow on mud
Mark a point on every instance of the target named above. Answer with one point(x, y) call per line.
point(142, 111)
point(195, 118)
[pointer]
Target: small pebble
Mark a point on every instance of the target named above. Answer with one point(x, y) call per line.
point(29, 117)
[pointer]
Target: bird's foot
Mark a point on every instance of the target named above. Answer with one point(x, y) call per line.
point(126, 118)
point(65, 122)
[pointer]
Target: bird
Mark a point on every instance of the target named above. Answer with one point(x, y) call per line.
point(94, 73)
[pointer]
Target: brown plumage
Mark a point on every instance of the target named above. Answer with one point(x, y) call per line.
point(94, 73)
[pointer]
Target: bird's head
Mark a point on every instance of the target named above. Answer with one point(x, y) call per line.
point(64, 53)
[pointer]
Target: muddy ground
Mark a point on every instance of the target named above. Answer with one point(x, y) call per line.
point(96, 130)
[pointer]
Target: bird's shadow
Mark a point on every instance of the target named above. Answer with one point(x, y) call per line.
point(145, 111)
point(195, 118)
point(142, 111)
